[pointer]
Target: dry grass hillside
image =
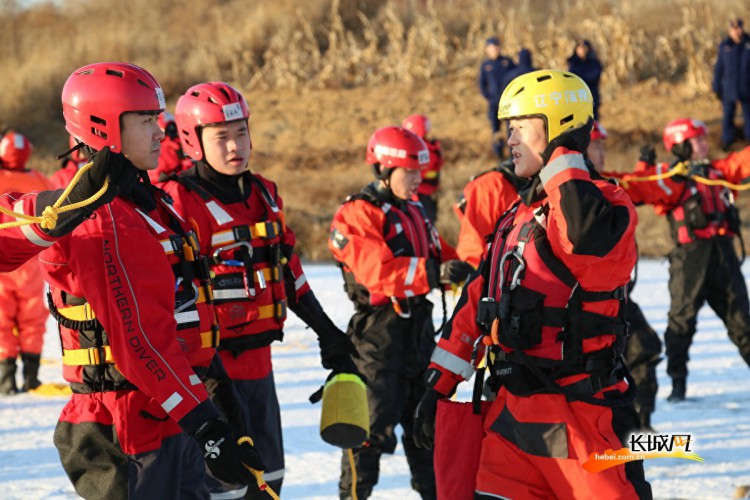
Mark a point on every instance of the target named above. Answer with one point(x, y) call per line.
point(321, 75)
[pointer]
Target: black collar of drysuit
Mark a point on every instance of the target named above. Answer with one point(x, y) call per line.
point(142, 193)
point(383, 194)
point(225, 188)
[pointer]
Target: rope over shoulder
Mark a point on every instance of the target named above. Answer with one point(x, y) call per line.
point(48, 219)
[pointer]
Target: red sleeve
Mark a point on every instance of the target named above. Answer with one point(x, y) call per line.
point(19, 244)
point(451, 358)
point(133, 296)
point(663, 192)
point(486, 198)
point(735, 167)
point(590, 224)
point(357, 240)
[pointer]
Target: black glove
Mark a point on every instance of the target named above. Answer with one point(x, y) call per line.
point(122, 176)
point(455, 271)
point(648, 154)
point(336, 350)
point(424, 419)
point(575, 139)
point(432, 267)
point(226, 459)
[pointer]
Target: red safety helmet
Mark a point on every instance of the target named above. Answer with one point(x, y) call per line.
point(419, 124)
point(205, 104)
point(95, 96)
point(680, 130)
point(391, 147)
point(15, 150)
point(598, 132)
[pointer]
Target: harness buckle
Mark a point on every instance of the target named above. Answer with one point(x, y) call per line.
point(238, 244)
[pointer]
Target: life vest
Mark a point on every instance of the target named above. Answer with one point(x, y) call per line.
point(534, 310)
point(88, 362)
point(407, 233)
point(431, 172)
point(247, 259)
point(704, 211)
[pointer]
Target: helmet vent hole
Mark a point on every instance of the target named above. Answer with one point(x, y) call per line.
point(519, 91)
point(566, 120)
point(226, 94)
point(97, 120)
point(86, 72)
point(212, 100)
point(99, 133)
point(141, 82)
point(543, 78)
point(114, 72)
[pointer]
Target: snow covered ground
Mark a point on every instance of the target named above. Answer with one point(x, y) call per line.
point(718, 414)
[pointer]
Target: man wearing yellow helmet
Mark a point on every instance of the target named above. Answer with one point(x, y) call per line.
point(549, 304)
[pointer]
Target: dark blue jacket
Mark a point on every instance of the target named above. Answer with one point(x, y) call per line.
point(524, 66)
point(589, 69)
point(732, 70)
point(492, 77)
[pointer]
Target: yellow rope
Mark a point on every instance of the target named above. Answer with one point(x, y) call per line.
point(353, 467)
point(48, 219)
point(262, 484)
point(682, 169)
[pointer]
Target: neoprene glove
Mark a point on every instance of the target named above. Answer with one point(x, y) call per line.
point(226, 459)
point(432, 267)
point(455, 271)
point(575, 139)
point(122, 176)
point(336, 350)
point(648, 154)
point(424, 419)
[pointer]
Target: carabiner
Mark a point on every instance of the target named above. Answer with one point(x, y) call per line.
point(225, 248)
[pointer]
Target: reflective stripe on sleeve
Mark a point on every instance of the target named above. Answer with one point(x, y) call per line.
point(413, 262)
point(194, 379)
point(171, 402)
point(562, 162)
point(300, 282)
point(28, 231)
point(662, 185)
point(452, 363)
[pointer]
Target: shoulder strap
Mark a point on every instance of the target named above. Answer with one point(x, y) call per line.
point(187, 179)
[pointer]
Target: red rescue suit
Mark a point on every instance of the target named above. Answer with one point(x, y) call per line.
point(136, 323)
point(695, 210)
point(483, 201)
point(551, 296)
point(22, 312)
point(249, 248)
point(171, 160)
point(431, 172)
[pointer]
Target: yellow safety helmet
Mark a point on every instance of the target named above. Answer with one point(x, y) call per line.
point(561, 98)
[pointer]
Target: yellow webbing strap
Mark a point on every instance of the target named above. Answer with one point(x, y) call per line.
point(275, 310)
point(262, 485)
point(209, 339)
point(257, 230)
point(48, 219)
point(90, 356)
point(353, 467)
point(84, 312)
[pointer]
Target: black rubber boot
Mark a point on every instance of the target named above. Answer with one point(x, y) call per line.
point(8, 376)
point(678, 390)
point(30, 371)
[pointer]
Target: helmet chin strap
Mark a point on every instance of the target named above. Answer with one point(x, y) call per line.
point(75, 148)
